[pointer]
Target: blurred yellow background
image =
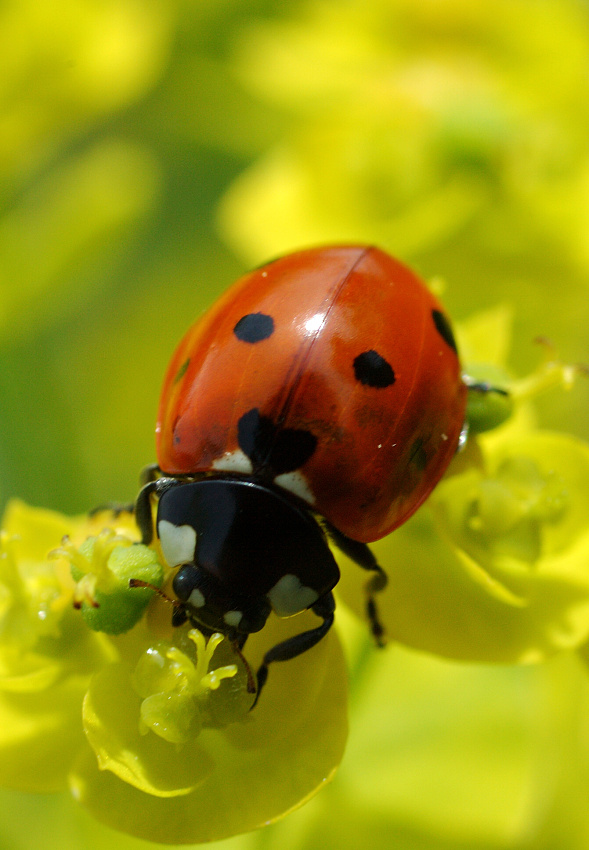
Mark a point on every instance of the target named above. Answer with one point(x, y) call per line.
point(141, 141)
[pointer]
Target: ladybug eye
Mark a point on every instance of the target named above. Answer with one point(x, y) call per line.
point(185, 585)
point(372, 370)
point(254, 327)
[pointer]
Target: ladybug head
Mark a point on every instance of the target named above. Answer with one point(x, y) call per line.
point(243, 549)
point(209, 604)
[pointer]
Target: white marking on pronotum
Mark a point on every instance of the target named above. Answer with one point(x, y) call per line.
point(236, 461)
point(295, 482)
point(289, 596)
point(178, 542)
point(233, 618)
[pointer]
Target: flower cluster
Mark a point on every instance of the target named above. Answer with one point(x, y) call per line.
point(149, 726)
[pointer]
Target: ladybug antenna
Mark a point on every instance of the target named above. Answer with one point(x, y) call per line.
point(137, 582)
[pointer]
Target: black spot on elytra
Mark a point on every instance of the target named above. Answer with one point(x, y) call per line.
point(175, 432)
point(444, 328)
point(271, 449)
point(181, 371)
point(254, 327)
point(372, 370)
point(255, 434)
point(418, 454)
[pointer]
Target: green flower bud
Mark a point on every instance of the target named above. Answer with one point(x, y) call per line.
point(489, 402)
point(101, 568)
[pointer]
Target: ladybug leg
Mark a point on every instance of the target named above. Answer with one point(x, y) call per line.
point(298, 644)
point(151, 472)
point(116, 508)
point(483, 386)
point(143, 513)
point(364, 557)
point(150, 475)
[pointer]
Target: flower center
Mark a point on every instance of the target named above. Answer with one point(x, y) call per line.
point(177, 690)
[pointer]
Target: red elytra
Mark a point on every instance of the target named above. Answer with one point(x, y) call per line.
point(346, 345)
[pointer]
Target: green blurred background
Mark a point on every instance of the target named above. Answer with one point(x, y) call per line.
point(151, 150)
point(121, 129)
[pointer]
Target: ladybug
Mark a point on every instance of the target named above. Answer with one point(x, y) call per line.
point(320, 399)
